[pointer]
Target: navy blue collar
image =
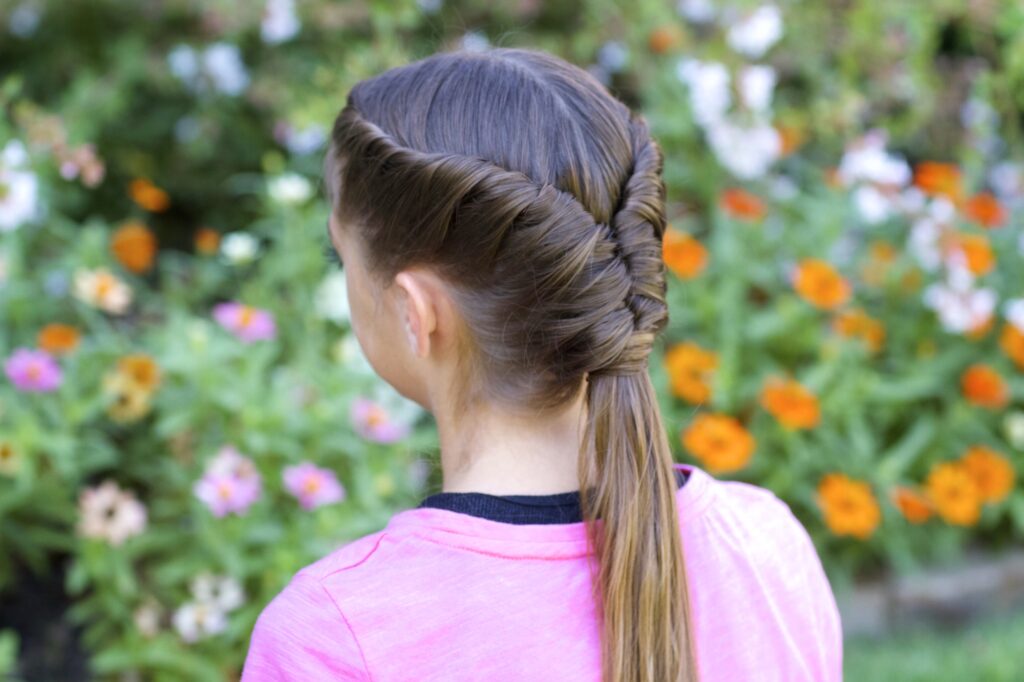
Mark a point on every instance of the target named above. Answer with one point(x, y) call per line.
point(554, 508)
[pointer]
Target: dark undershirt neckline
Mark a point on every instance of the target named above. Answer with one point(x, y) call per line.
point(518, 509)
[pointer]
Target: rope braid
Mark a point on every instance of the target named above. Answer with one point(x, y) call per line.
point(551, 297)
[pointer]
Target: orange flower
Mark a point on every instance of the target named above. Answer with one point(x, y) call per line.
point(983, 386)
point(792, 137)
point(690, 370)
point(977, 252)
point(954, 494)
point(148, 196)
point(58, 338)
point(820, 284)
point(856, 323)
point(134, 246)
point(719, 441)
point(981, 330)
point(791, 403)
point(141, 369)
point(849, 506)
point(743, 205)
point(684, 255)
point(1012, 342)
point(943, 179)
point(913, 504)
point(992, 472)
point(986, 210)
point(663, 39)
point(206, 240)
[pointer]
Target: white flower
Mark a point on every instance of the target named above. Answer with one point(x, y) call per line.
point(867, 160)
point(279, 22)
point(19, 188)
point(109, 513)
point(239, 247)
point(223, 592)
point(1006, 179)
point(305, 141)
point(755, 33)
point(941, 210)
point(290, 188)
point(223, 64)
point(102, 289)
point(756, 84)
point(747, 152)
point(911, 200)
point(924, 243)
point(331, 298)
point(146, 617)
point(24, 19)
point(184, 64)
point(696, 11)
point(1013, 426)
point(196, 620)
point(708, 83)
point(474, 41)
point(1014, 311)
point(872, 205)
point(960, 306)
point(429, 6)
point(613, 56)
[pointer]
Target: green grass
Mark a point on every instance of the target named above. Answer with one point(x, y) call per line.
point(991, 651)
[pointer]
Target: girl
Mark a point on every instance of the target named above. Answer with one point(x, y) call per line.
point(500, 218)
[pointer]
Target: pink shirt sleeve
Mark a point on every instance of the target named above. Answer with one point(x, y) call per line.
point(302, 635)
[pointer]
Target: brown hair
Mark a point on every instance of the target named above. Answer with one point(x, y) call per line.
point(538, 197)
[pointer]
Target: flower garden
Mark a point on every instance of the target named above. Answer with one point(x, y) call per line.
point(186, 418)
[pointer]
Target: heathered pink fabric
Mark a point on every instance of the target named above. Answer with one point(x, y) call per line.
point(439, 595)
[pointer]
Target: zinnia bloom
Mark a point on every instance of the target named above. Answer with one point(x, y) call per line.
point(148, 196)
point(985, 209)
point(856, 323)
point(976, 253)
point(939, 179)
point(683, 255)
point(818, 283)
point(791, 403)
point(1011, 340)
point(690, 370)
point(230, 484)
point(719, 441)
point(742, 205)
point(101, 289)
point(993, 473)
point(912, 504)
point(57, 338)
point(849, 506)
point(33, 370)
point(134, 246)
point(373, 422)
point(983, 386)
point(954, 494)
point(312, 485)
point(206, 241)
point(245, 322)
point(141, 369)
point(10, 458)
point(109, 513)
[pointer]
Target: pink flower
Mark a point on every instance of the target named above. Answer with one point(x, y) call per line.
point(33, 370)
point(247, 323)
point(374, 423)
point(312, 485)
point(230, 484)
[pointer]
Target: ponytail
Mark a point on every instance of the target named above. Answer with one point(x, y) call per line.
point(640, 583)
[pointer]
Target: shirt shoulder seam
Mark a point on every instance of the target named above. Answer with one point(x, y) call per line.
point(348, 625)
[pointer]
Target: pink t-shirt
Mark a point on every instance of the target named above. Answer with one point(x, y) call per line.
point(440, 595)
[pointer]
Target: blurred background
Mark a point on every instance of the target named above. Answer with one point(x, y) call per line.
point(186, 419)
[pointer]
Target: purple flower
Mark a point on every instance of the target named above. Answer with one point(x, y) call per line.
point(374, 423)
point(230, 484)
point(247, 323)
point(33, 370)
point(312, 485)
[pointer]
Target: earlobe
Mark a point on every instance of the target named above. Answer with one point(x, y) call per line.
point(419, 321)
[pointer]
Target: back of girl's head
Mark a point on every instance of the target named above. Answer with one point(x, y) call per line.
point(538, 197)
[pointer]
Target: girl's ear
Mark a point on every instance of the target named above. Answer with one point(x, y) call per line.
point(418, 312)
